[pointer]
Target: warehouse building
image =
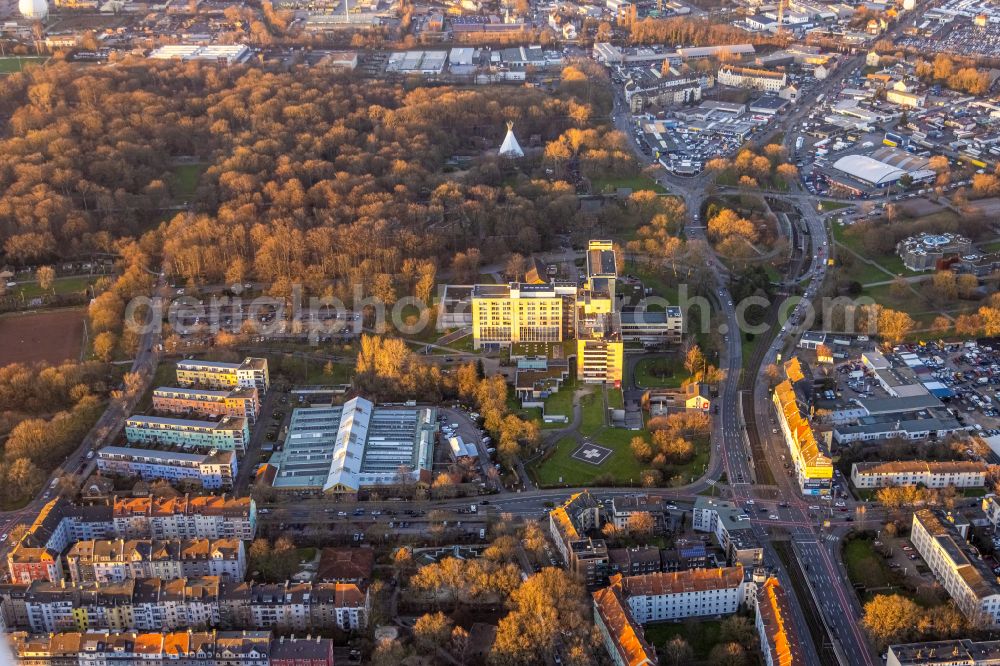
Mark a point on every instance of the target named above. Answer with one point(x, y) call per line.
point(340, 450)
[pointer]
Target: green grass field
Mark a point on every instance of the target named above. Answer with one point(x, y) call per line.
point(635, 183)
point(67, 285)
point(912, 304)
point(561, 402)
point(833, 205)
point(621, 467)
point(659, 373)
point(11, 64)
point(701, 636)
point(866, 567)
point(187, 176)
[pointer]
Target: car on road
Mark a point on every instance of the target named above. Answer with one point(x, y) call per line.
point(813, 507)
point(773, 516)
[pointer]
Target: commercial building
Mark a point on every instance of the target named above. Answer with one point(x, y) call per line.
point(779, 641)
point(215, 374)
point(918, 427)
point(118, 560)
point(229, 434)
point(339, 450)
point(813, 466)
point(227, 54)
point(243, 402)
point(746, 77)
point(955, 652)
point(151, 604)
point(192, 648)
point(731, 526)
point(958, 474)
point(925, 252)
point(960, 570)
point(213, 470)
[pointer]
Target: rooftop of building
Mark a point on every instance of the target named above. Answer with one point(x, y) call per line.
point(679, 582)
point(775, 612)
point(626, 634)
point(346, 447)
point(920, 466)
point(977, 575)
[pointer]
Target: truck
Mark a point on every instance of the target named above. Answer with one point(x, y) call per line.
point(473, 508)
point(799, 142)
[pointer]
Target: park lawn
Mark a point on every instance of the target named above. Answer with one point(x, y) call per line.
point(992, 246)
point(165, 375)
point(187, 176)
point(915, 306)
point(616, 398)
point(865, 567)
point(865, 273)
point(67, 285)
point(593, 414)
point(701, 636)
point(621, 465)
point(659, 373)
point(634, 183)
point(662, 283)
point(833, 205)
point(11, 64)
point(561, 402)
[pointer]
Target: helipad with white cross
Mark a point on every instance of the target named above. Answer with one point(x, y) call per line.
point(592, 453)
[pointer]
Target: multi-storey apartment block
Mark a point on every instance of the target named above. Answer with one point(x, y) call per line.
point(731, 526)
point(746, 77)
point(681, 594)
point(242, 401)
point(252, 372)
point(191, 648)
point(954, 652)
point(960, 570)
point(114, 561)
point(779, 642)
point(152, 604)
point(808, 448)
point(229, 434)
point(959, 474)
point(622, 636)
point(205, 517)
point(60, 524)
point(213, 470)
point(568, 525)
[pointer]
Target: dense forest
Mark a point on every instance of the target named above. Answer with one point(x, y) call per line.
point(307, 178)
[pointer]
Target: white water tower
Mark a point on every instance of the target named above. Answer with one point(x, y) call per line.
point(33, 9)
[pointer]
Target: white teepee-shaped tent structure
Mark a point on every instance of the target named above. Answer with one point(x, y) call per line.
point(511, 148)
